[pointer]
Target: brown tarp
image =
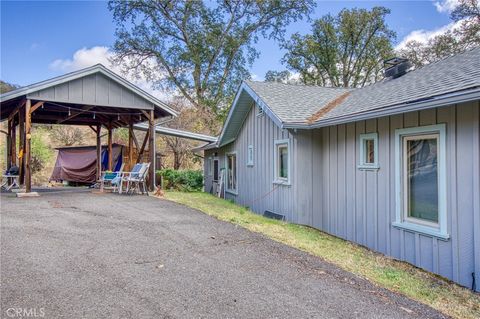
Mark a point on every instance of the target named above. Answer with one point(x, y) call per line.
point(78, 164)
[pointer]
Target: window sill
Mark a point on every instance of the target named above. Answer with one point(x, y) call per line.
point(368, 167)
point(233, 192)
point(425, 230)
point(280, 182)
point(249, 164)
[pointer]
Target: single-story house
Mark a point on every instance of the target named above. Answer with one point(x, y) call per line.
point(393, 166)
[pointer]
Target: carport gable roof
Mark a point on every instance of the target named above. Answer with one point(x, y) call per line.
point(95, 86)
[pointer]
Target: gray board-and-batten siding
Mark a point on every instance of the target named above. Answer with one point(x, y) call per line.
point(328, 191)
point(93, 89)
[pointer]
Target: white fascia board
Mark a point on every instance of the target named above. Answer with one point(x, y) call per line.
point(244, 87)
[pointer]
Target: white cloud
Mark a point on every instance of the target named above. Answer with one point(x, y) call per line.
point(86, 57)
point(446, 6)
point(423, 36)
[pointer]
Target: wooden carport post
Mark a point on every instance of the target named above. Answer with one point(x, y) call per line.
point(110, 148)
point(130, 144)
point(27, 152)
point(9, 144)
point(21, 147)
point(99, 152)
point(13, 145)
point(151, 150)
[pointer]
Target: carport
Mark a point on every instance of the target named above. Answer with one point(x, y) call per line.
point(95, 97)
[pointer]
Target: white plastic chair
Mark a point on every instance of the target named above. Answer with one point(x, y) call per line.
point(137, 181)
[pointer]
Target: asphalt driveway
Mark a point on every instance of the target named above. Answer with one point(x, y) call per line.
point(84, 255)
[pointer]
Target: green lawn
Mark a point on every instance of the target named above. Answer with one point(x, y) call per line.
point(401, 277)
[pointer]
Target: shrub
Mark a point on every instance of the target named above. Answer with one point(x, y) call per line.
point(182, 180)
point(41, 153)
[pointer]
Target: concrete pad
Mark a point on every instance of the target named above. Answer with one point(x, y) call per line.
point(31, 194)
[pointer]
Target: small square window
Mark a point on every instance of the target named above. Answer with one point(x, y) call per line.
point(250, 155)
point(368, 151)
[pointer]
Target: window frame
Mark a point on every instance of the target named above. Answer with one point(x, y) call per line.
point(250, 160)
point(229, 190)
point(362, 163)
point(210, 166)
point(277, 179)
point(402, 219)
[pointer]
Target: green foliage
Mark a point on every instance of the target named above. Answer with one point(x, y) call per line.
point(203, 49)
point(41, 153)
point(280, 76)
point(120, 136)
point(183, 180)
point(7, 87)
point(343, 51)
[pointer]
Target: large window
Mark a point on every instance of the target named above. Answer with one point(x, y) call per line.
point(232, 172)
point(368, 151)
point(421, 180)
point(282, 162)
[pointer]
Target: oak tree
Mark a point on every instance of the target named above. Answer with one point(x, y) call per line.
point(200, 49)
point(346, 50)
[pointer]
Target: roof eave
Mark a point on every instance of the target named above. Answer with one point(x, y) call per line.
point(178, 133)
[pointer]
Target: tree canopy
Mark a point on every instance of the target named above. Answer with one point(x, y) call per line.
point(465, 35)
point(202, 50)
point(7, 87)
point(343, 51)
point(284, 76)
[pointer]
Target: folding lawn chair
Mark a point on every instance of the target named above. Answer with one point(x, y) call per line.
point(136, 181)
point(110, 177)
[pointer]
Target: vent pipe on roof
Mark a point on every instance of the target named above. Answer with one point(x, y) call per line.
point(396, 67)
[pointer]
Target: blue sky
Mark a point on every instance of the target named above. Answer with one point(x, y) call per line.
point(41, 39)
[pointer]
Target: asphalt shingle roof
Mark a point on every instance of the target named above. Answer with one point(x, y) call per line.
point(297, 103)
point(294, 103)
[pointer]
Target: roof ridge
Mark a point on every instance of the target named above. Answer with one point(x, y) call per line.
point(454, 55)
point(300, 84)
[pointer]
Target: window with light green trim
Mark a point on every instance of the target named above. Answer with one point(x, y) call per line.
point(282, 162)
point(368, 151)
point(231, 172)
point(421, 195)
